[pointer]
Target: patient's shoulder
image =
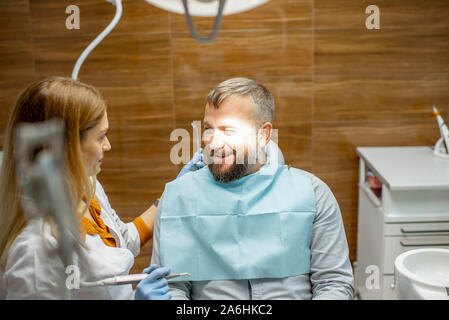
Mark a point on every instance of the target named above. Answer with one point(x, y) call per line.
point(319, 186)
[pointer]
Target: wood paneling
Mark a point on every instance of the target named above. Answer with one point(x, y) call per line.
point(336, 84)
point(295, 141)
point(16, 56)
point(15, 21)
point(190, 99)
point(404, 51)
point(16, 47)
point(140, 105)
point(380, 98)
point(139, 17)
point(393, 14)
point(138, 59)
point(49, 18)
point(246, 53)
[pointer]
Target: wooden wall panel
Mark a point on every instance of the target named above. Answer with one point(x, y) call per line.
point(295, 141)
point(190, 100)
point(393, 14)
point(389, 97)
point(292, 97)
point(336, 85)
point(16, 56)
point(141, 105)
point(404, 51)
point(271, 53)
point(16, 47)
point(137, 59)
point(49, 17)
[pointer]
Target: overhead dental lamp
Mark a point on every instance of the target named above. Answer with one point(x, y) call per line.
point(206, 8)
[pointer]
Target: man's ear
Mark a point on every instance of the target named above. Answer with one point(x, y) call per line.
point(264, 134)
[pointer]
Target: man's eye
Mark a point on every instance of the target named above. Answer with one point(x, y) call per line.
point(208, 132)
point(229, 132)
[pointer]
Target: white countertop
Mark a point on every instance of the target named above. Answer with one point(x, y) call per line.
point(407, 168)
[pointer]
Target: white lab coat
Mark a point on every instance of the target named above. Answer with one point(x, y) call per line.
point(34, 269)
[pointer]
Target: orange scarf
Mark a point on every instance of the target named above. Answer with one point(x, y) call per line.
point(97, 227)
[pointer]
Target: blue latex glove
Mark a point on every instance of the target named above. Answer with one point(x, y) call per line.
point(153, 287)
point(197, 162)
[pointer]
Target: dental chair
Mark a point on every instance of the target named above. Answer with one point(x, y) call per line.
point(273, 150)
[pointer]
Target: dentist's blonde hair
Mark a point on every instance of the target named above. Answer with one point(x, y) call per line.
point(80, 107)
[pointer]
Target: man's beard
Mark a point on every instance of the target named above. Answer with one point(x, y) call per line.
point(234, 172)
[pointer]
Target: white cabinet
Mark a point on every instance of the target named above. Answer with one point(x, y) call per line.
point(403, 205)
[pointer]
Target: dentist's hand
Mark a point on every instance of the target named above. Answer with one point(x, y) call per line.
point(197, 162)
point(155, 286)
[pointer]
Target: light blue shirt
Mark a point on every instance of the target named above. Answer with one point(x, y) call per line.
point(330, 274)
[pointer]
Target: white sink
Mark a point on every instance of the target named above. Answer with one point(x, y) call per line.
point(422, 274)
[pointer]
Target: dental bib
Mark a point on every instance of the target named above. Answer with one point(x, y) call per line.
point(258, 226)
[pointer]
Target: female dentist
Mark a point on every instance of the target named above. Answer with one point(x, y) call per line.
point(31, 268)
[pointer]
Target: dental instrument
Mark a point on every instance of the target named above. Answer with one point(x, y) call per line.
point(99, 38)
point(444, 132)
point(39, 157)
point(128, 279)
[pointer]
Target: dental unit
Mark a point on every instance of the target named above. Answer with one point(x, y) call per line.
point(442, 146)
point(128, 279)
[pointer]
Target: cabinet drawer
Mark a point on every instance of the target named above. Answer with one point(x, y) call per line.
point(416, 229)
point(394, 246)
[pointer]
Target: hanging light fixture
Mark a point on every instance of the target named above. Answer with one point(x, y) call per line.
point(206, 8)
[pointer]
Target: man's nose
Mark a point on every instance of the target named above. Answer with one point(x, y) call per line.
point(216, 140)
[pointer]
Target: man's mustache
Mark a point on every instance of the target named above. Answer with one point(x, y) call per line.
point(241, 156)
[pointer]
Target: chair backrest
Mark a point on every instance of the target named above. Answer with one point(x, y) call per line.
point(2, 287)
